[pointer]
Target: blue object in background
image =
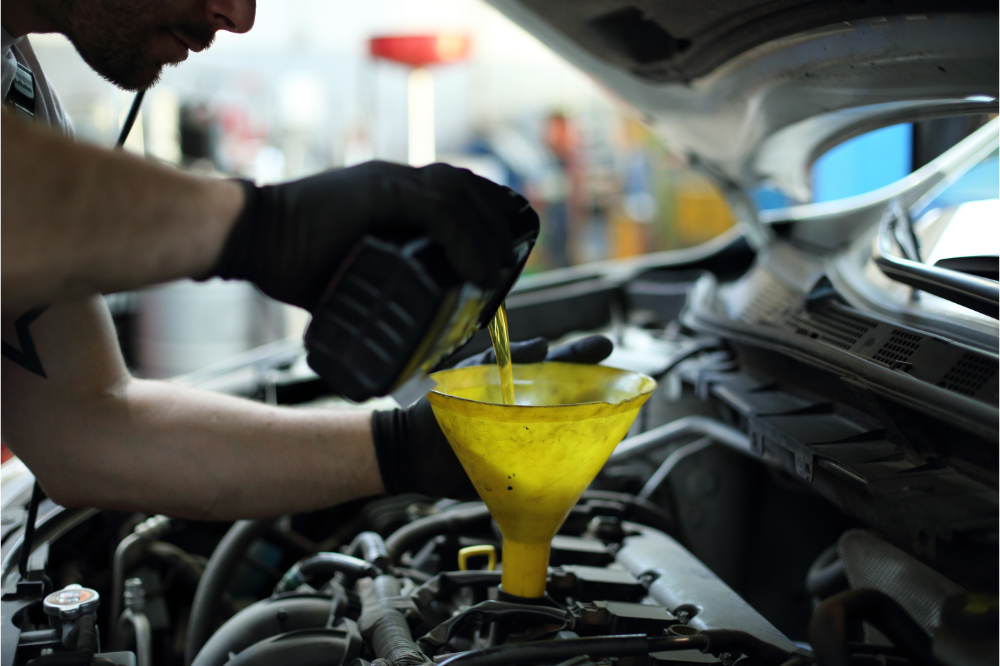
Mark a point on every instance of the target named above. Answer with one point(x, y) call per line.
point(766, 197)
point(979, 183)
point(863, 164)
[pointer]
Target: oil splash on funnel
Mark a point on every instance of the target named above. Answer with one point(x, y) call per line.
point(530, 462)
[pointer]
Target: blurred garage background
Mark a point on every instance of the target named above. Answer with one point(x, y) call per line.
point(304, 92)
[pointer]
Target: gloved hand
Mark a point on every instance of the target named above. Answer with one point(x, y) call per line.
point(413, 454)
point(290, 238)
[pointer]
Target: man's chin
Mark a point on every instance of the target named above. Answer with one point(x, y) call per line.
point(129, 74)
point(133, 80)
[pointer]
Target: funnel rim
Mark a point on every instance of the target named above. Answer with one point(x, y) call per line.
point(642, 395)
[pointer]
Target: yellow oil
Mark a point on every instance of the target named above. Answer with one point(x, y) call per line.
point(501, 347)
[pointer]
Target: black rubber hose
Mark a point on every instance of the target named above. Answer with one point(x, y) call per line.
point(439, 523)
point(827, 575)
point(595, 648)
point(187, 566)
point(215, 580)
point(260, 621)
point(329, 564)
point(371, 547)
point(833, 620)
point(386, 628)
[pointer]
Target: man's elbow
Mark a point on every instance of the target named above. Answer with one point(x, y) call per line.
point(71, 494)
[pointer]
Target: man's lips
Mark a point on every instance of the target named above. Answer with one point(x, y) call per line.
point(186, 41)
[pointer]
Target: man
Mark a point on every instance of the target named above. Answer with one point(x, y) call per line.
point(79, 221)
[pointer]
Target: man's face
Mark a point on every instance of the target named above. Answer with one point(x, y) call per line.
point(128, 42)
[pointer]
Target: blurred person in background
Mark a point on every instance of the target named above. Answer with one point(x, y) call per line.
point(562, 210)
point(79, 221)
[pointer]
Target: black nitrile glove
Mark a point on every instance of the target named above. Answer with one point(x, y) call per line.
point(290, 238)
point(413, 454)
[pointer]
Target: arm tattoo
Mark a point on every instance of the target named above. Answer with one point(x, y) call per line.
point(27, 356)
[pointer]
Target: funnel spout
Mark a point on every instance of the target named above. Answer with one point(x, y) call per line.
point(530, 462)
point(525, 568)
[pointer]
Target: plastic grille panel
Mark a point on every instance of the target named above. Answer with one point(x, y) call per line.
point(769, 298)
point(874, 563)
point(969, 374)
point(834, 327)
point(900, 347)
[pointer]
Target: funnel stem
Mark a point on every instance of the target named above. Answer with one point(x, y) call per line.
point(525, 568)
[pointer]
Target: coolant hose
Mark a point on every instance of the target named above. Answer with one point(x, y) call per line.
point(326, 563)
point(371, 547)
point(440, 523)
point(833, 620)
point(187, 567)
point(827, 575)
point(261, 621)
point(385, 627)
point(215, 580)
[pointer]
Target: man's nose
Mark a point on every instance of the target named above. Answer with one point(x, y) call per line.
point(231, 15)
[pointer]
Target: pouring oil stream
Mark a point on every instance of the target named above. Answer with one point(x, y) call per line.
point(501, 347)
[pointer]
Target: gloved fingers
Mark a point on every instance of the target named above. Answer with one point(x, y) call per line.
point(414, 455)
point(434, 469)
point(473, 220)
point(529, 351)
point(592, 349)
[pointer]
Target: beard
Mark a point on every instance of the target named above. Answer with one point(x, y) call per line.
point(114, 36)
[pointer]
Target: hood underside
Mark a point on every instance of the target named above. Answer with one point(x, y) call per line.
point(753, 91)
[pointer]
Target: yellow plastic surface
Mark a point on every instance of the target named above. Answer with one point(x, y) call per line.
point(474, 551)
point(530, 462)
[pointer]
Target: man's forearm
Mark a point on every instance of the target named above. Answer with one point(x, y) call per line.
point(159, 448)
point(78, 219)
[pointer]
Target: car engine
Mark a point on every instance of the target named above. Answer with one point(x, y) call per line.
point(619, 586)
point(813, 481)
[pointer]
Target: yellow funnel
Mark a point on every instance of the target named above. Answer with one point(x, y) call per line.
point(530, 462)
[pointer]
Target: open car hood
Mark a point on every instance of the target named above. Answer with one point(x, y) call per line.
point(754, 91)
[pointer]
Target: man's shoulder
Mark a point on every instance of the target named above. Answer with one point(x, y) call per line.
point(48, 107)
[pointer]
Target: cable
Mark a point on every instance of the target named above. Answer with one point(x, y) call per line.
point(487, 612)
point(133, 113)
point(688, 425)
point(685, 352)
point(430, 526)
point(668, 465)
point(37, 495)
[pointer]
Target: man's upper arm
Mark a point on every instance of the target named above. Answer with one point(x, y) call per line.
point(77, 350)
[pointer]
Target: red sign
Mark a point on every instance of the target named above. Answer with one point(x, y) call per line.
point(421, 50)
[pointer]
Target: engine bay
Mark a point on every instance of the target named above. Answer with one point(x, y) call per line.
point(813, 481)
